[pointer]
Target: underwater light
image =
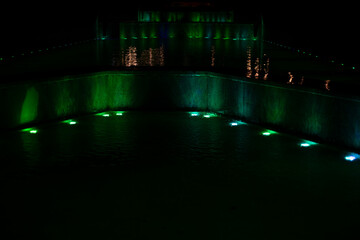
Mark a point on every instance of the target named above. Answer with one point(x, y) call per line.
point(307, 143)
point(103, 114)
point(119, 113)
point(350, 158)
point(194, 114)
point(30, 130)
point(70, 122)
point(268, 132)
point(236, 123)
point(209, 115)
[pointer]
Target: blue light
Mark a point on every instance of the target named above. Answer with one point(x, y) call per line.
point(194, 114)
point(352, 157)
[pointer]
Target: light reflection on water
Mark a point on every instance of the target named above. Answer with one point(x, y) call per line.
point(142, 170)
point(234, 55)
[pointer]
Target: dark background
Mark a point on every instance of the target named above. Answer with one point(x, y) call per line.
point(326, 27)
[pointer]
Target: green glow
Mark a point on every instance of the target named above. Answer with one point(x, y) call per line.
point(236, 123)
point(29, 109)
point(209, 115)
point(194, 114)
point(103, 114)
point(268, 133)
point(119, 113)
point(70, 122)
point(30, 130)
point(307, 143)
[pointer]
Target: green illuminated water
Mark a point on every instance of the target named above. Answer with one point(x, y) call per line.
point(173, 175)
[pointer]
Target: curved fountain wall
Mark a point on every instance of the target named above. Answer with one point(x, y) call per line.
point(317, 115)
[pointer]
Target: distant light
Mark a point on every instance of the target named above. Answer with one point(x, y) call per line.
point(266, 133)
point(304, 145)
point(72, 123)
point(34, 131)
point(206, 116)
point(233, 124)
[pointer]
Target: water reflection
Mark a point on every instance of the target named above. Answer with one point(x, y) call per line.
point(248, 64)
point(266, 66)
point(148, 57)
point(291, 78)
point(327, 85)
point(257, 68)
point(212, 56)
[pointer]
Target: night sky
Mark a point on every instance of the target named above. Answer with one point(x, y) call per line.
point(330, 27)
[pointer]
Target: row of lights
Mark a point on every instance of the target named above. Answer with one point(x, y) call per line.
point(32, 52)
point(304, 144)
point(191, 37)
point(73, 122)
point(304, 52)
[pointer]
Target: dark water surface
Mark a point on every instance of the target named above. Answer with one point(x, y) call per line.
point(168, 175)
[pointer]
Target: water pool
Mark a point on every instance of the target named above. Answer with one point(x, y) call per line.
point(173, 175)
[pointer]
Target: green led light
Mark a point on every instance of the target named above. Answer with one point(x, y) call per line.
point(30, 130)
point(268, 133)
point(70, 122)
point(194, 114)
point(119, 113)
point(307, 143)
point(103, 114)
point(209, 115)
point(237, 123)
